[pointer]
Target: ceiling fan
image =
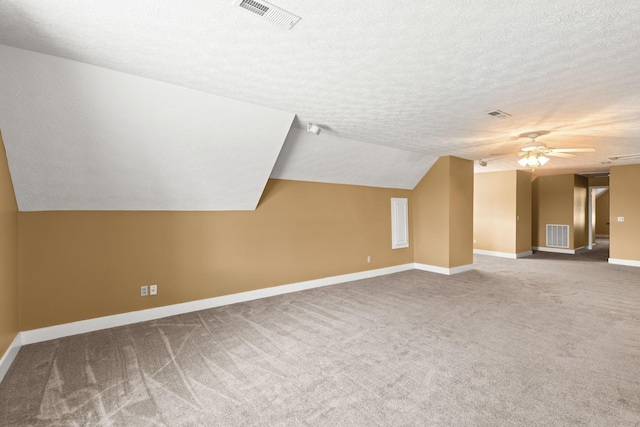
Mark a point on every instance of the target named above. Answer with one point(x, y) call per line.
point(534, 154)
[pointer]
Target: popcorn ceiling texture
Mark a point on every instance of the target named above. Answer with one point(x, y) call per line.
point(414, 76)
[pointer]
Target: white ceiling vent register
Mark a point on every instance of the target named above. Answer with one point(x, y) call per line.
point(499, 114)
point(269, 12)
point(557, 236)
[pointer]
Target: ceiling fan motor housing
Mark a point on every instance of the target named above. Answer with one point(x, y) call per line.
point(533, 146)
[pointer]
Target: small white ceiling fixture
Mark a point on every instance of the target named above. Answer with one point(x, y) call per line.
point(313, 128)
point(269, 12)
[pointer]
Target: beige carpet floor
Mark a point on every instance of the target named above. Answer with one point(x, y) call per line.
point(541, 341)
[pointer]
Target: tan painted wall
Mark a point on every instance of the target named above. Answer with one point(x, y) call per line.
point(523, 212)
point(431, 215)
point(602, 214)
point(552, 203)
point(494, 211)
point(81, 265)
point(9, 327)
point(580, 212)
point(461, 213)
point(502, 211)
point(560, 199)
point(602, 181)
point(625, 201)
point(443, 214)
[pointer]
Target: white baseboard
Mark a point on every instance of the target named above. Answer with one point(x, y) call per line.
point(524, 254)
point(99, 323)
point(502, 254)
point(443, 270)
point(560, 250)
point(10, 355)
point(628, 262)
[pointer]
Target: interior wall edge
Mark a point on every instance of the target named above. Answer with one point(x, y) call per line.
point(627, 262)
point(9, 248)
point(502, 254)
point(8, 357)
point(443, 270)
point(560, 250)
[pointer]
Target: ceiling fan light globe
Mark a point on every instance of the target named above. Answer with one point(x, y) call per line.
point(543, 160)
point(523, 161)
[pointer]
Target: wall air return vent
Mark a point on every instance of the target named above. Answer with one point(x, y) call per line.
point(557, 236)
point(269, 12)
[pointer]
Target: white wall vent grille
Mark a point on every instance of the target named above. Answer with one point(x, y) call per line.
point(557, 236)
point(269, 12)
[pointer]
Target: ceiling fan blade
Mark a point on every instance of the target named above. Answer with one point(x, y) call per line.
point(573, 150)
point(556, 154)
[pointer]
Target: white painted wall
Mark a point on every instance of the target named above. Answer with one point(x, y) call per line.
point(81, 137)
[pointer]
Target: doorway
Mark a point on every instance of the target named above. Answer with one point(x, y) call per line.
point(598, 216)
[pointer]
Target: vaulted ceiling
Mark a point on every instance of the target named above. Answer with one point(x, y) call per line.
point(192, 105)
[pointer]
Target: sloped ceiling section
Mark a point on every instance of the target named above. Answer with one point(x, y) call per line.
point(81, 137)
point(328, 158)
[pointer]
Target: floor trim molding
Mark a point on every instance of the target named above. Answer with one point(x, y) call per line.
point(502, 254)
point(560, 250)
point(443, 270)
point(10, 355)
point(99, 323)
point(627, 262)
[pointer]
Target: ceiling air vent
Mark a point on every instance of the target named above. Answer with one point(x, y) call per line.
point(625, 157)
point(269, 12)
point(499, 114)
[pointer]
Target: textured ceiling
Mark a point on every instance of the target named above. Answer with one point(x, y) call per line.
point(413, 76)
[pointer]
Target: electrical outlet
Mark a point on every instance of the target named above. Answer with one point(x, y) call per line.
point(153, 289)
point(369, 258)
point(620, 219)
point(144, 291)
